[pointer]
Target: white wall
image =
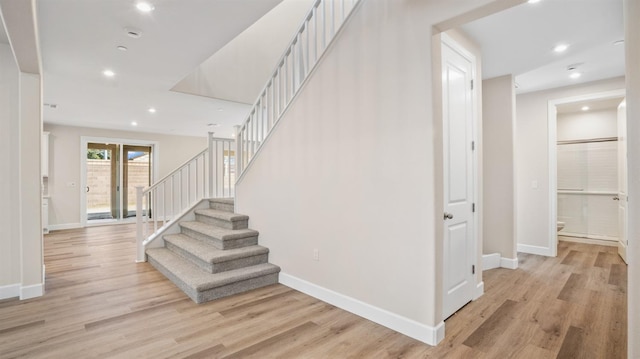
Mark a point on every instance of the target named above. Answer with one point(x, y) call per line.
point(498, 124)
point(632, 50)
point(30, 206)
point(24, 132)
point(64, 164)
point(351, 169)
point(9, 179)
point(532, 208)
point(588, 125)
point(239, 71)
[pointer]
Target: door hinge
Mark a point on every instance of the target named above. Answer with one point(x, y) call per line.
point(473, 269)
point(473, 145)
point(473, 207)
point(472, 84)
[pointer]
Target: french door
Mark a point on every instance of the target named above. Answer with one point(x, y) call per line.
point(112, 171)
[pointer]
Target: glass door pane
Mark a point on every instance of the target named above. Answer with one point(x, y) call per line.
point(136, 172)
point(103, 199)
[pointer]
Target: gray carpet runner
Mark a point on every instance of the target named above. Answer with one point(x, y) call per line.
point(215, 256)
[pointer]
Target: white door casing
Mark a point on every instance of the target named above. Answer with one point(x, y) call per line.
point(552, 248)
point(458, 172)
point(84, 143)
point(622, 181)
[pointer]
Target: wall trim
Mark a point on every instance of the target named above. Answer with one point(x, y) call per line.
point(490, 261)
point(31, 291)
point(509, 263)
point(479, 290)
point(552, 158)
point(59, 227)
point(9, 291)
point(409, 327)
point(493, 260)
point(541, 251)
point(622, 251)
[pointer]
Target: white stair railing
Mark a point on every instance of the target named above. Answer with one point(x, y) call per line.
point(208, 174)
point(311, 40)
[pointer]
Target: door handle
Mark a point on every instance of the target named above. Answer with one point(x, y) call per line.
point(448, 216)
point(87, 189)
point(616, 198)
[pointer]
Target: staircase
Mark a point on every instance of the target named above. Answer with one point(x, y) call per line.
point(214, 256)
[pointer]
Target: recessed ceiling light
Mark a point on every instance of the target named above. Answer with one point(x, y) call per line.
point(585, 108)
point(144, 6)
point(152, 110)
point(533, 1)
point(575, 75)
point(108, 73)
point(619, 42)
point(122, 48)
point(220, 109)
point(560, 48)
point(233, 135)
point(134, 123)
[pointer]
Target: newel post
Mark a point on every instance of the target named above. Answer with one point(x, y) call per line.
point(140, 255)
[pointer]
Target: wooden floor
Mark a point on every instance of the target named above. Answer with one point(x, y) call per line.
point(100, 304)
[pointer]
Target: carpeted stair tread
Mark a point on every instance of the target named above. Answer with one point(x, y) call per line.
point(218, 232)
point(222, 215)
point(195, 278)
point(222, 200)
point(209, 253)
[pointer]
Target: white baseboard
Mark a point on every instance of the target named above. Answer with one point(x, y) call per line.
point(622, 250)
point(409, 327)
point(509, 263)
point(541, 251)
point(58, 227)
point(490, 261)
point(31, 291)
point(9, 291)
point(493, 260)
point(479, 291)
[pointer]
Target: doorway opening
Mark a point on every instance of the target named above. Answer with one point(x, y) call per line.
point(111, 171)
point(587, 166)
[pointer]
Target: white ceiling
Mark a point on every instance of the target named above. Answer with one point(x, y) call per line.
point(594, 105)
point(520, 41)
point(78, 41)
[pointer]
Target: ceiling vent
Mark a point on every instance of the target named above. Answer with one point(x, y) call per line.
point(133, 32)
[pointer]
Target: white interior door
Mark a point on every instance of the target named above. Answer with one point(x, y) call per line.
point(458, 112)
point(622, 181)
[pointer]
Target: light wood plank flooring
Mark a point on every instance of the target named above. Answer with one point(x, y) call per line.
point(100, 304)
